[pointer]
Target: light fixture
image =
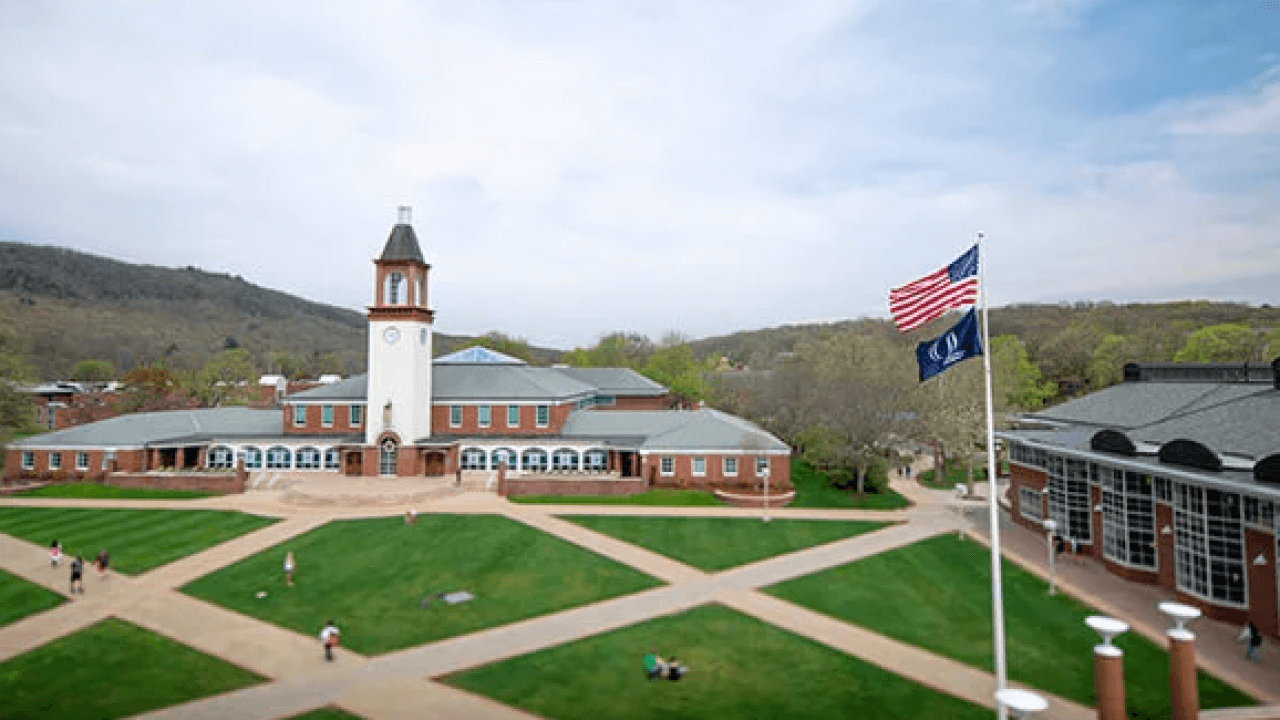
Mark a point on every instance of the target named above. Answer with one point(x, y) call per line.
point(1166, 530)
point(1260, 560)
point(1097, 508)
point(1108, 628)
point(1181, 615)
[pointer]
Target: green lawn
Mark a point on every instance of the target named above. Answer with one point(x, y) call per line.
point(370, 576)
point(714, 544)
point(107, 492)
point(955, 474)
point(137, 540)
point(19, 598)
point(739, 667)
point(814, 489)
point(936, 594)
point(111, 669)
point(657, 496)
point(326, 713)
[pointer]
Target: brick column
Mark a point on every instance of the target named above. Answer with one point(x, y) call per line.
point(1184, 694)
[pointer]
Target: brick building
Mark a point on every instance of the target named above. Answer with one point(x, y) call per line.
point(1171, 478)
point(414, 415)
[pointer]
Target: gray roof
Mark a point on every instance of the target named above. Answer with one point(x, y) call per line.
point(162, 427)
point(402, 245)
point(352, 389)
point(505, 382)
point(673, 430)
point(1237, 418)
point(623, 382)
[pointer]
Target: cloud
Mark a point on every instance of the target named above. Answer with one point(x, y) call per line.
point(578, 168)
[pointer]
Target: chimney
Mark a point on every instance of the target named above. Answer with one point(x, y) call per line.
point(404, 215)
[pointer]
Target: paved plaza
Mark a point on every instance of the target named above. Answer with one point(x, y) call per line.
point(399, 684)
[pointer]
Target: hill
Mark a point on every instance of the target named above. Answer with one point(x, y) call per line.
point(60, 306)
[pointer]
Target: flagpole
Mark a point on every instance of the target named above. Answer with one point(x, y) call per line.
point(997, 592)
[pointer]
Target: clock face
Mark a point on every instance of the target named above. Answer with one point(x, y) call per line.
point(391, 335)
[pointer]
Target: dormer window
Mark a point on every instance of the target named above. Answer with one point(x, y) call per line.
point(394, 292)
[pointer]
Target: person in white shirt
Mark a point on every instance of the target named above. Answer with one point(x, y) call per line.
point(329, 636)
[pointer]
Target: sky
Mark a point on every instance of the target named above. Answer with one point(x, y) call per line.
point(582, 168)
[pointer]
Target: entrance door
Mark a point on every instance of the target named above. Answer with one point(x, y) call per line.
point(353, 463)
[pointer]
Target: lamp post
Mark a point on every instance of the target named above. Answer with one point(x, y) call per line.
point(1023, 703)
point(960, 491)
point(766, 498)
point(1049, 527)
point(1108, 667)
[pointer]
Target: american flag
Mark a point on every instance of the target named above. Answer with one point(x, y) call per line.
point(954, 286)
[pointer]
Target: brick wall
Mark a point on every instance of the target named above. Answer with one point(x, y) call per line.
point(498, 420)
point(714, 476)
point(637, 403)
point(1021, 476)
point(314, 417)
point(755, 501)
point(222, 483)
point(1262, 580)
point(513, 486)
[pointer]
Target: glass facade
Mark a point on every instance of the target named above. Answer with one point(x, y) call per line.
point(1128, 517)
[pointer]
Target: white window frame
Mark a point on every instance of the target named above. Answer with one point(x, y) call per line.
point(595, 460)
point(28, 460)
point(331, 459)
point(535, 459)
point(762, 466)
point(82, 460)
point(513, 416)
point(272, 458)
point(1029, 498)
point(55, 461)
point(473, 458)
point(299, 415)
point(565, 459)
point(326, 416)
point(484, 416)
point(388, 457)
point(254, 458)
point(543, 416)
point(731, 467)
point(667, 466)
point(699, 466)
point(220, 457)
point(307, 458)
point(504, 454)
point(455, 416)
point(355, 415)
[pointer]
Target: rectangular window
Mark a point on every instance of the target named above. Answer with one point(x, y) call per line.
point(762, 466)
point(1164, 489)
point(455, 416)
point(513, 416)
point(1069, 497)
point(1128, 517)
point(55, 461)
point(82, 461)
point(699, 466)
point(356, 415)
point(299, 415)
point(28, 460)
point(730, 467)
point(668, 466)
point(1029, 504)
point(484, 413)
point(544, 415)
point(326, 415)
point(1209, 544)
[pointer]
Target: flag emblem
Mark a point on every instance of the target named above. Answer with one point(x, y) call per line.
point(959, 343)
point(954, 286)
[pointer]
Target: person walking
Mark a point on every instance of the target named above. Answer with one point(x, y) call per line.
point(101, 563)
point(77, 576)
point(288, 568)
point(329, 636)
point(55, 553)
point(1252, 641)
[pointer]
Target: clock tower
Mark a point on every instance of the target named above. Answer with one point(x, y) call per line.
point(398, 409)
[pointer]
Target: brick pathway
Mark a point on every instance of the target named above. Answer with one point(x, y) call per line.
point(396, 685)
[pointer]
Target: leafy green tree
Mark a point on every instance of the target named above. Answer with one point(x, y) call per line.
point(1017, 381)
point(1226, 342)
point(93, 371)
point(674, 366)
point(577, 357)
point(17, 411)
point(225, 380)
point(1272, 341)
point(498, 342)
point(1107, 366)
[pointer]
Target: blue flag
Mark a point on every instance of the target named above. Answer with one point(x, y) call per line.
point(958, 343)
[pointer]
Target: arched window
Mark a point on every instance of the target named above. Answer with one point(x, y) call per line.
point(595, 460)
point(388, 457)
point(279, 458)
point(393, 290)
point(565, 459)
point(252, 458)
point(308, 458)
point(473, 459)
point(534, 459)
point(331, 458)
point(504, 456)
point(220, 457)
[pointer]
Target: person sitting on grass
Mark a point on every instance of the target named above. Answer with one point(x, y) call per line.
point(675, 670)
point(655, 667)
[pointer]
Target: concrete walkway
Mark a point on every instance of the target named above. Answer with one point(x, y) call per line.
point(397, 685)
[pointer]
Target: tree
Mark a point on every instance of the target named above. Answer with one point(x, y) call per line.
point(953, 411)
point(1017, 380)
point(674, 366)
point(93, 371)
point(498, 342)
point(1226, 342)
point(225, 380)
point(152, 387)
point(17, 411)
point(1107, 366)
